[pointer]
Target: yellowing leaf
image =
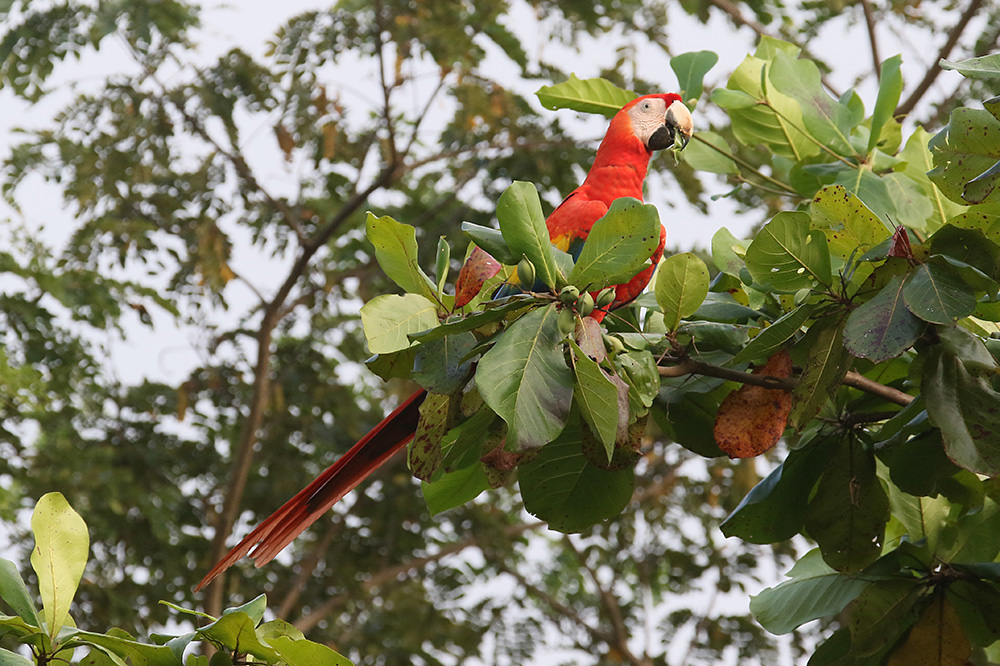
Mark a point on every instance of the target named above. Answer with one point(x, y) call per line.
point(59, 556)
point(936, 639)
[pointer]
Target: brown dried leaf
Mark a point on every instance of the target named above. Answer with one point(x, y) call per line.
point(478, 268)
point(285, 141)
point(751, 419)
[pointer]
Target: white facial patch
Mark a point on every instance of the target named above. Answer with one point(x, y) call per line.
point(647, 116)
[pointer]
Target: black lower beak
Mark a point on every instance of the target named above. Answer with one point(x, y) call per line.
point(662, 138)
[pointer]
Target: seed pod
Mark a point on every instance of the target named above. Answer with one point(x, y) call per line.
point(566, 321)
point(526, 273)
point(614, 344)
point(605, 298)
point(569, 294)
point(585, 304)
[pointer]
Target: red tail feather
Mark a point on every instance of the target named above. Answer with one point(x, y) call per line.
point(298, 513)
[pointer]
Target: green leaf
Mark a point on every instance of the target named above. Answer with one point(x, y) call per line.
point(984, 67)
point(936, 294)
point(978, 607)
point(128, 649)
point(814, 591)
point(495, 311)
point(964, 406)
point(618, 245)
point(8, 658)
point(772, 338)
point(388, 320)
point(425, 454)
point(59, 556)
point(709, 152)
point(975, 537)
point(825, 118)
point(303, 652)
point(970, 246)
point(443, 366)
point(890, 87)
point(919, 161)
point(598, 96)
point(851, 228)
point(525, 380)
point(454, 488)
point(236, 631)
point(15, 593)
point(491, 240)
point(882, 612)
point(827, 361)
point(882, 328)
point(396, 251)
point(967, 147)
point(562, 487)
point(849, 509)
point(691, 69)
point(597, 396)
point(787, 255)
point(682, 283)
point(522, 224)
point(255, 608)
point(922, 517)
point(728, 252)
point(979, 188)
point(775, 508)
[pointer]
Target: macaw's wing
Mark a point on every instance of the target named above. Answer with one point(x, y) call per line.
point(570, 223)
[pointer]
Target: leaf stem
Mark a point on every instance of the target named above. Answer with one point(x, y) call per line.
point(746, 165)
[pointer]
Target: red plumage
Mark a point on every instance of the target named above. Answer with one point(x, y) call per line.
point(619, 170)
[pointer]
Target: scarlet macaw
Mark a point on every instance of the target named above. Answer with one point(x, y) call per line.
point(652, 122)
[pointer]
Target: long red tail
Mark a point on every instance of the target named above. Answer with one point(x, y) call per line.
point(298, 513)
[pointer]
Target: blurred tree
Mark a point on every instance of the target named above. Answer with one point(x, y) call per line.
point(395, 107)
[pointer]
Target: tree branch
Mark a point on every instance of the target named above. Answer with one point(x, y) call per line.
point(934, 69)
point(852, 379)
point(866, 6)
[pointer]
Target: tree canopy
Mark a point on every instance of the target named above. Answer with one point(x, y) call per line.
point(856, 330)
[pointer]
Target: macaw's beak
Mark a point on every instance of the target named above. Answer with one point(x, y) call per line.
point(676, 129)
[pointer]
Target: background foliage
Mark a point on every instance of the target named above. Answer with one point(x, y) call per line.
point(154, 170)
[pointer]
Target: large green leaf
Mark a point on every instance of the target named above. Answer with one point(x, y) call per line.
point(59, 556)
point(825, 118)
point(15, 593)
point(492, 242)
point(890, 87)
point(978, 607)
point(691, 69)
point(303, 652)
point(396, 251)
point(682, 283)
point(519, 211)
point(618, 245)
point(389, 319)
point(936, 294)
point(597, 397)
point(814, 591)
point(562, 487)
point(728, 252)
point(787, 255)
point(922, 517)
point(236, 631)
point(454, 489)
point(589, 96)
point(851, 228)
point(882, 328)
point(882, 612)
point(849, 509)
point(975, 537)
point(983, 67)
point(827, 361)
point(525, 380)
point(8, 658)
point(967, 147)
point(919, 161)
point(709, 152)
point(775, 508)
point(442, 366)
point(139, 654)
point(964, 406)
point(772, 338)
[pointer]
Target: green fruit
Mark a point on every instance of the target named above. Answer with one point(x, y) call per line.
point(526, 273)
point(569, 295)
point(614, 345)
point(585, 304)
point(566, 321)
point(605, 298)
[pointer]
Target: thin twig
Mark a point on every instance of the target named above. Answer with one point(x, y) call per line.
point(866, 6)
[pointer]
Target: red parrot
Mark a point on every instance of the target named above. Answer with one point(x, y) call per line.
point(652, 122)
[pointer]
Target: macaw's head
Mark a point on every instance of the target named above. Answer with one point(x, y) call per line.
point(659, 121)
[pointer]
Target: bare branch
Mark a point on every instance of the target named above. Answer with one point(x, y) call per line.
point(852, 379)
point(934, 68)
point(866, 6)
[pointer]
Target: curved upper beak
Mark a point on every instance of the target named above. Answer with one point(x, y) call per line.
point(675, 130)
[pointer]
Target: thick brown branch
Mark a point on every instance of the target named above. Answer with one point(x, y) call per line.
point(852, 379)
point(934, 68)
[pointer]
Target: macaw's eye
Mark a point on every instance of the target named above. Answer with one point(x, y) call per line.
point(645, 105)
